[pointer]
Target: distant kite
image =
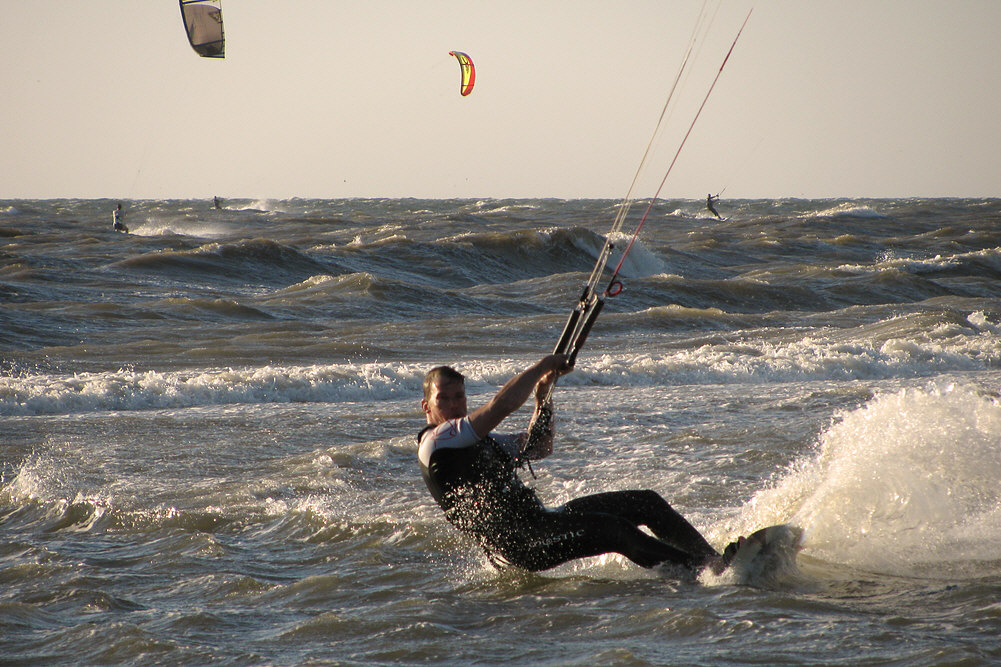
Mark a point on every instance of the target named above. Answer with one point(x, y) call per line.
point(203, 24)
point(467, 71)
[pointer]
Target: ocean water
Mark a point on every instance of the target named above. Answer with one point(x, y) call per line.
point(207, 429)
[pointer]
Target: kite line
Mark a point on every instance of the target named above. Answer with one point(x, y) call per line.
point(591, 301)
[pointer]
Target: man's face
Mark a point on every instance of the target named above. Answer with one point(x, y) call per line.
point(446, 400)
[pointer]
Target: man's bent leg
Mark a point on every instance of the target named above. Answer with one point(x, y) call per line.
point(560, 536)
point(647, 508)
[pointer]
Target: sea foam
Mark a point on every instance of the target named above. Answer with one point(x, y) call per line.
point(906, 484)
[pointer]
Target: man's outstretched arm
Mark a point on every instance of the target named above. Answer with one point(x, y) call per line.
point(515, 392)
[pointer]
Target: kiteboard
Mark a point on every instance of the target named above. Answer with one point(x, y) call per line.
point(765, 555)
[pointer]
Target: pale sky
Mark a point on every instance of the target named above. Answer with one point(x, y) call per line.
point(320, 98)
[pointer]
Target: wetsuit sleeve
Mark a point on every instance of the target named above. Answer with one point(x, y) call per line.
point(454, 434)
point(457, 434)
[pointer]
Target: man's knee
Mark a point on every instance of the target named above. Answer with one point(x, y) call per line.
point(648, 498)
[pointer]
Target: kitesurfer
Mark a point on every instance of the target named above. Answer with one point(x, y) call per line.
point(118, 217)
point(710, 198)
point(471, 472)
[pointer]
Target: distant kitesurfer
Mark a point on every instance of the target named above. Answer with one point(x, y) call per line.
point(118, 216)
point(217, 202)
point(710, 198)
point(470, 471)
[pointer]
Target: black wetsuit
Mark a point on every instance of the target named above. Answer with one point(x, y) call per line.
point(476, 483)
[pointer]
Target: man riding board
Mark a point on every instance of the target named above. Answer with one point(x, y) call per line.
point(471, 471)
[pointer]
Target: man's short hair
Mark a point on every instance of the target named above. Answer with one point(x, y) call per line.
point(441, 375)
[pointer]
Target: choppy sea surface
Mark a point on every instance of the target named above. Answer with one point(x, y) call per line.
point(207, 429)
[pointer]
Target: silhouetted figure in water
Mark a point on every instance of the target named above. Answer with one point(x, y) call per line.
point(217, 202)
point(709, 205)
point(118, 215)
